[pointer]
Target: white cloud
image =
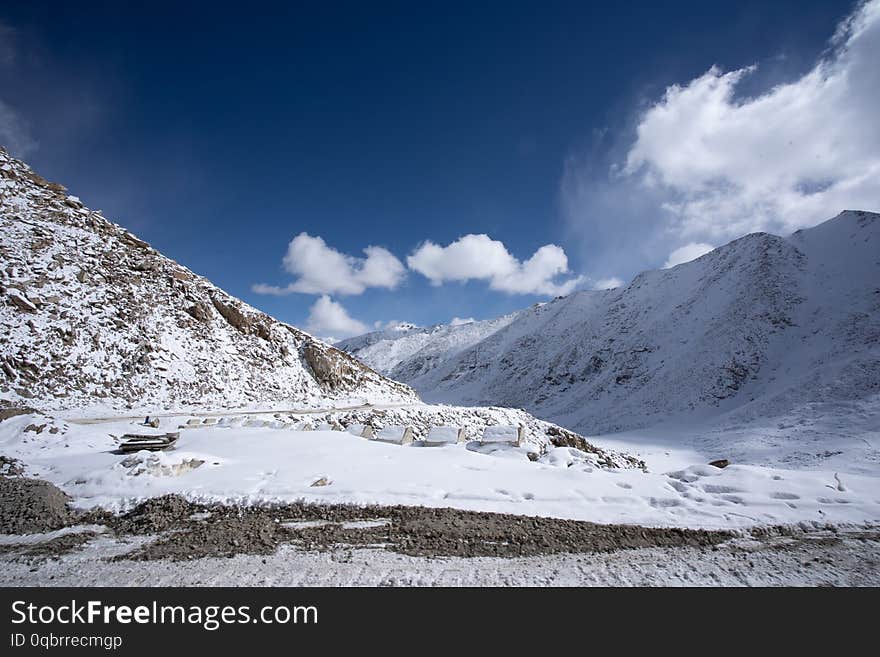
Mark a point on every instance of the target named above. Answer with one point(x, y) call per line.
point(790, 157)
point(607, 283)
point(687, 253)
point(322, 269)
point(478, 257)
point(15, 134)
point(330, 318)
point(459, 321)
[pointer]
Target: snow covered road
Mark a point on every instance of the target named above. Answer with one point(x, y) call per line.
point(818, 559)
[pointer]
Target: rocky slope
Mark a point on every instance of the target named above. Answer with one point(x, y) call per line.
point(762, 327)
point(92, 315)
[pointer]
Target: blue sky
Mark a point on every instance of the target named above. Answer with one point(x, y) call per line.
point(222, 134)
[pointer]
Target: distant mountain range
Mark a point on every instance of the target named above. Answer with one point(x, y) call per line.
point(407, 350)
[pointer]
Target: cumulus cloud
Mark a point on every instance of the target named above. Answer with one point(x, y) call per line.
point(458, 321)
point(790, 157)
point(330, 318)
point(479, 257)
point(687, 253)
point(321, 269)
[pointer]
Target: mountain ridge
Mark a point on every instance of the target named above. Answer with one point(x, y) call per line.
point(717, 335)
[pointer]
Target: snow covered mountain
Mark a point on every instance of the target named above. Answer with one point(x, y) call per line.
point(92, 315)
point(762, 327)
point(416, 350)
point(387, 334)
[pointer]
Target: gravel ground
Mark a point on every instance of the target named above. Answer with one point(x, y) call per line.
point(170, 541)
point(816, 560)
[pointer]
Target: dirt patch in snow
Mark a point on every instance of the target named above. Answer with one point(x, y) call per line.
point(192, 531)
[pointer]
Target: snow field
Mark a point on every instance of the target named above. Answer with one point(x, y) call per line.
point(255, 465)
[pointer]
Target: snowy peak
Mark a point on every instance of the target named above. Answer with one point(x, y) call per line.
point(391, 333)
point(849, 240)
point(95, 316)
point(414, 350)
point(848, 223)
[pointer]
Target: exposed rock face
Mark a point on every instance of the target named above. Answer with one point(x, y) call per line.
point(200, 311)
point(93, 314)
point(232, 315)
point(331, 367)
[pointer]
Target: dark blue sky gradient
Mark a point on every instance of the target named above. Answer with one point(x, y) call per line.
point(219, 133)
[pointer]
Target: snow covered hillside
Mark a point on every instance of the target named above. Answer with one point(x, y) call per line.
point(93, 316)
point(778, 333)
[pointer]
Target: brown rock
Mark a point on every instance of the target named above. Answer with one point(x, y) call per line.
point(331, 368)
point(20, 301)
point(232, 315)
point(263, 331)
point(200, 311)
point(131, 240)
